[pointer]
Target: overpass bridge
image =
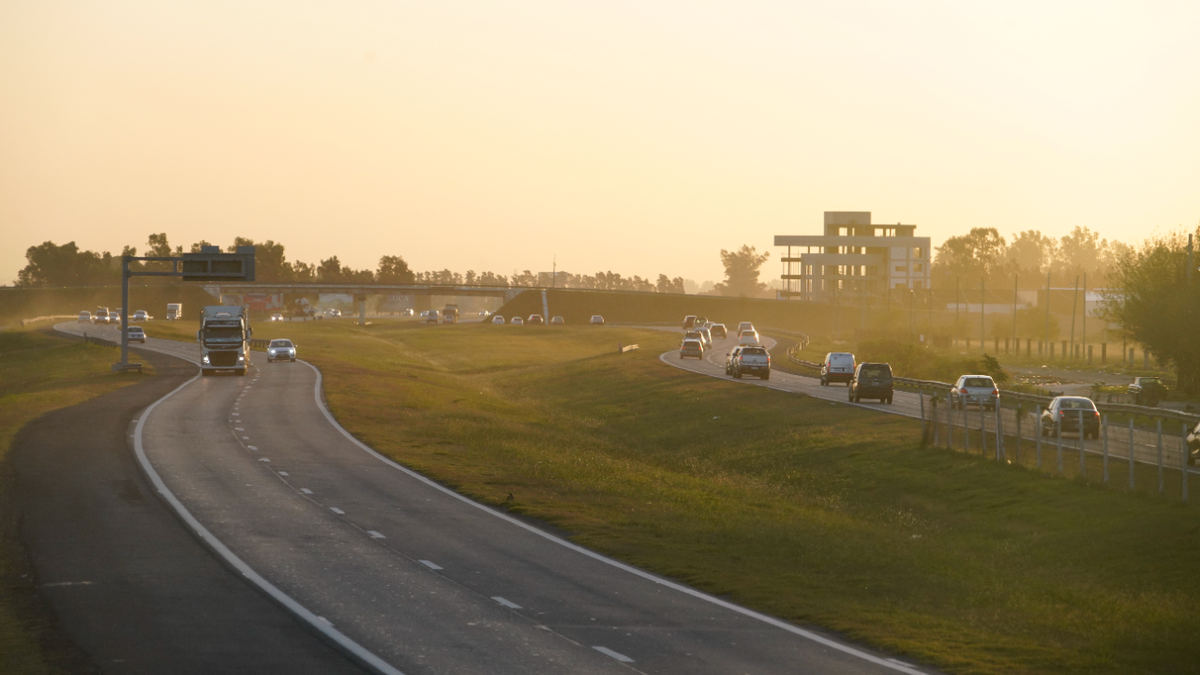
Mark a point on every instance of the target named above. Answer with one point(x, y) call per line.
point(422, 294)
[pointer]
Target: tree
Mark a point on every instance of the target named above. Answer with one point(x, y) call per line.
point(1080, 252)
point(978, 254)
point(1155, 303)
point(66, 265)
point(741, 272)
point(667, 285)
point(330, 270)
point(393, 270)
point(1031, 253)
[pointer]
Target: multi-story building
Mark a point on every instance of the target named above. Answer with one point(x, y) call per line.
point(853, 258)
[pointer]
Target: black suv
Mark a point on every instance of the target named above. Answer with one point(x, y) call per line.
point(872, 380)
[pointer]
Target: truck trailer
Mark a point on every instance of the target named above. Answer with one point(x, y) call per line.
point(224, 338)
point(174, 311)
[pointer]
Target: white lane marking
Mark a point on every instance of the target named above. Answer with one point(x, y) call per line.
point(430, 565)
point(375, 535)
point(901, 663)
point(283, 473)
point(245, 438)
point(507, 603)
point(238, 429)
point(322, 625)
point(337, 510)
point(237, 414)
point(699, 595)
point(616, 655)
point(251, 447)
point(263, 459)
point(306, 491)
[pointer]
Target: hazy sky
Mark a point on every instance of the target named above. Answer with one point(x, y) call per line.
point(641, 137)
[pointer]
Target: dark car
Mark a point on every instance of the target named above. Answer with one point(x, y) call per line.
point(689, 321)
point(692, 348)
point(1066, 414)
point(872, 380)
point(1147, 391)
point(536, 320)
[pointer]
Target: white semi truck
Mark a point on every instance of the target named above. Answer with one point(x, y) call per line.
point(224, 338)
point(174, 311)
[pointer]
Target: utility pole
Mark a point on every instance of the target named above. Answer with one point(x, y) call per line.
point(954, 333)
point(1074, 302)
point(982, 315)
point(1016, 279)
point(1083, 332)
point(1046, 336)
point(553, 274)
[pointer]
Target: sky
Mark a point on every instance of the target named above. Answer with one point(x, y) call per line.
point(640, 137)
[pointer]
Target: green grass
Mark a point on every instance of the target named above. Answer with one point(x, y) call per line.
point(38, 374)
point(819, 513)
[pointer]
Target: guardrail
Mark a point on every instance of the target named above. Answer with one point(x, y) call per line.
point(1125, 408)
point(256, 343)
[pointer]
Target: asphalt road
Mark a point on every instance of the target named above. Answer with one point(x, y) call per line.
point(1145, 444)
point(129, 586)
point(410, 577)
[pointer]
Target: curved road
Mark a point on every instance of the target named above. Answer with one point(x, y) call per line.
point(409, 577)
point(909, 405)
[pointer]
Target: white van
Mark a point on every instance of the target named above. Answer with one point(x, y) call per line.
point(749, 337)
point(837, 367)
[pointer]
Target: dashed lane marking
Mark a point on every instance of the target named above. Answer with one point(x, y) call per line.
point(430, 565)
point(306, 491)
point(283, 473)
point(337, 510)
point(507, 603)
point(616, 655)
point(375, 535)
point(263, 459)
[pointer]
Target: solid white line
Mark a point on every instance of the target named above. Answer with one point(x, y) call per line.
point(432, 566)
point(759, 616)
point(306, 491)
point(616, 655)
point(507, 603)
point(337, 510)
point(217, 546)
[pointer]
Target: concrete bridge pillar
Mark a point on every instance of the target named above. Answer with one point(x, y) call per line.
point(362, 309)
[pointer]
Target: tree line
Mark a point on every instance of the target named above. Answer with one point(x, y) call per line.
point(984, 254)
point(50, 264)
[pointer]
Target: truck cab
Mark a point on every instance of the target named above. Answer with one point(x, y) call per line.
point(224, 338)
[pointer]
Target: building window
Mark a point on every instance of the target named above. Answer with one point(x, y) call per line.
point(901, 268)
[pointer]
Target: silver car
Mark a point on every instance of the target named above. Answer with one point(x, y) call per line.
point(281, 350)
point(978, 390)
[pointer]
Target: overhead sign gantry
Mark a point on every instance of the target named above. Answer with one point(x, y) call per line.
point(207, 265)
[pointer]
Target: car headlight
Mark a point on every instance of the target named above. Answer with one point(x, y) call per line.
point(241, 359)
point(204, 359)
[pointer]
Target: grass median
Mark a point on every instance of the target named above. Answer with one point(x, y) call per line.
point(816, 512)
point(38, 374)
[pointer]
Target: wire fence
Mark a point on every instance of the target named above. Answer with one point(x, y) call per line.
point(1076, 444)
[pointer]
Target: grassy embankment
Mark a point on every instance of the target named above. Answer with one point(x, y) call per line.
point(38, 374)
point(816, 512)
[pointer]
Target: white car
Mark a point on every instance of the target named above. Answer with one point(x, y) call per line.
point(141, 315)
point(277, 317)
point(281, 350)
point(749, 337)
point(517, 321)
point(136, 334)
point(557, 321)
point(596, 320)
point(85, 317)
point(407, 312)
point(497, 319)
point(745, 325)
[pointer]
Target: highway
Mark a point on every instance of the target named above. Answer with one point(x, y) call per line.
point(407, 576)
point(909, 405)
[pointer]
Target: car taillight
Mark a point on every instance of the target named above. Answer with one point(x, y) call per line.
point(995, 392)
point(1062, 413)
point(964, 390)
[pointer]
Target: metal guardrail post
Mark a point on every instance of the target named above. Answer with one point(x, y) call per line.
point(1130, 454)
point(1082, 436)
point(1019, 416)
point(1104, 422)
point(1183, 465)
point(1058, 436)
point(1038, 411)
point(1160, 458)
point(982, 433)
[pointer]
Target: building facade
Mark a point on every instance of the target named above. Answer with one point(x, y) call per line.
point(854, 259)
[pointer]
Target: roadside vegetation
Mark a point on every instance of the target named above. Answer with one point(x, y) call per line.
point(38, 374)
point(819, 513)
